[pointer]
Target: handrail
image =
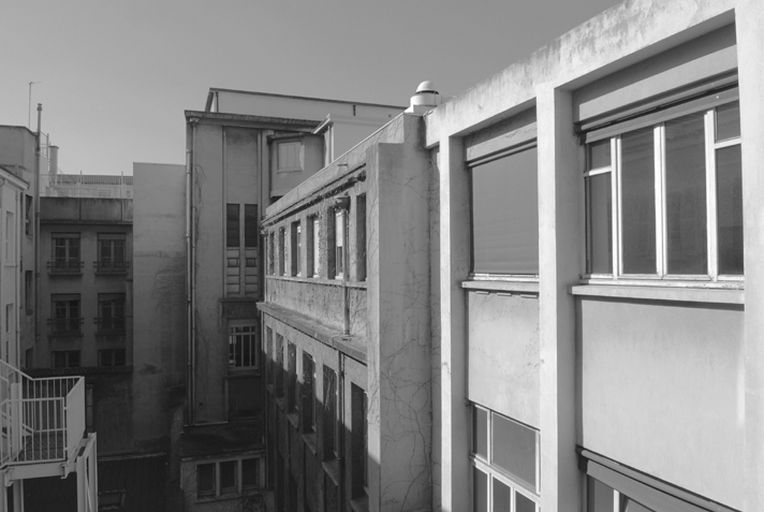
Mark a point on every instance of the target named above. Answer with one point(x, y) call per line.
point(41, 419)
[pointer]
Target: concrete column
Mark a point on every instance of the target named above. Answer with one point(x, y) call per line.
point(750, 45)
point(560, 238)
point(399, 379)
point(454, 267)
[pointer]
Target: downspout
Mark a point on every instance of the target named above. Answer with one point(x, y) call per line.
point(190, 327)
point(36, 234)
point(341, 430)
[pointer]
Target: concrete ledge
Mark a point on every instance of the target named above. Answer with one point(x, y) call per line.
point(664, 293)
point(349, 345)
point(518, 287)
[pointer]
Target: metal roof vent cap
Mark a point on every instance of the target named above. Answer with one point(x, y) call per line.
point(425, 98)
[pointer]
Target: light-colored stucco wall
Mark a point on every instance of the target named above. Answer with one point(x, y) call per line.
point(661, 391)
point(159, 262)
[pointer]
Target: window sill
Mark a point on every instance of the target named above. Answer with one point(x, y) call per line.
point(309, 439)
point(332, 469)
point(519, 286)
point(678, 293)
point(318, 280)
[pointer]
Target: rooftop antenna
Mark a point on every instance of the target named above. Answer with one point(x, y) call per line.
point(29, 108)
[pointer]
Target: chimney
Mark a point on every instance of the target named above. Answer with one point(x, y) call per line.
point(424, 99)
point(53, 160)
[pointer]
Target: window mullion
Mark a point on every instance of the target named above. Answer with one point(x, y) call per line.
point(711, 218)
point(660, 203)
point(660, 268)
point(615, 145)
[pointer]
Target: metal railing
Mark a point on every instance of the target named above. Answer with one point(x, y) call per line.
point(41, 419)
point(111, 267)
point(69, 326)
point(67, 267)
point(110, 325)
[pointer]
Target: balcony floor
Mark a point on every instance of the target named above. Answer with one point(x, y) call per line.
point(42, 446)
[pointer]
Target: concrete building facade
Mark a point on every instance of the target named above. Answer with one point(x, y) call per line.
point(244, 151)
point(560, 305)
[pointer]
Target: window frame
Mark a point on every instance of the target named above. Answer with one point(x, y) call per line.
point(657, 121)
point(493, 471)
point(244, 328)
point(239, 488)
point(340, 218)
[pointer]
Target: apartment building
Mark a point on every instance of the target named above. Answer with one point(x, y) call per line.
point(541, 295)
point(43, 419)
point(244, 150)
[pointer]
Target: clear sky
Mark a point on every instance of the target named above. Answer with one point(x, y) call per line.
point(116, 75)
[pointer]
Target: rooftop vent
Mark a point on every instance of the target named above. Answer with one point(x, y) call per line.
point(425, 98)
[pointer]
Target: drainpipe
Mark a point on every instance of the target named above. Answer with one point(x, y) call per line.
point(36, 236)
point(190, 327)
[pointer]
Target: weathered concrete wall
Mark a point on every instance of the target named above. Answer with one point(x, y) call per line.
point(400, 406)
point(159, 261)
point(661, 391)
point(503, 354)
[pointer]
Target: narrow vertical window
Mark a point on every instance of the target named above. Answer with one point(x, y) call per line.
point(28, 214)
point(358, 440)
point(271, 253)
point(638, 202)
point(339, 244)
point(686, 195)
point(279, 367)
point(292, 377)
point(729, 190)
point(360, 226)
point(281, 250)
point(250, 225)
point(232, 225)
point(329, 427)
point(308, 392)
point(599, 209)
point(295, 248)
point(316, 246)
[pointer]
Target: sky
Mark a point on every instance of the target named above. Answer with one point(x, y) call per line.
point(114, 76)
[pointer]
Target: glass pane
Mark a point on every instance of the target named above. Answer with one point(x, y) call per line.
point(501, 497)
point(480, 432)
point(232, 225)
point(505, 215)
point(250, 225)
point(205, 479)
point(598, 215)
point(729, 199)
point(599, 154)
point(523, 504)
point(479, 491)
point(686, 195)
point(638, 202)
point(514, 448)
point(728, 121)
point(228, 476)
point(249, 473)
point(599, 496)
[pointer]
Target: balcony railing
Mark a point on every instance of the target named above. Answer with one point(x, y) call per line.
point(113, 325)
point(65, 267)
point(111, 267)
point(43, 420)
point(65, 326)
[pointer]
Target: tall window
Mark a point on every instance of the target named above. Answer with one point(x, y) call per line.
point(313, 244)
point(295, 247)
point(360, 229)
point(358, 441)
point(330, 421)
point(340, 242)
point(66, 252)
point(505, 213)
point(505, 463)
point(111, 313)
point(271, 253)
point(28, 214)
point(269, 356)
point(66, 318)
point(243, 349)
point(232, 225)
point(308, 393)
point(282, 255)
point(250, 225)
point(279, 369)
point(111, 252)
point(664, 196)
point(291, 377)
point(29, 292)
